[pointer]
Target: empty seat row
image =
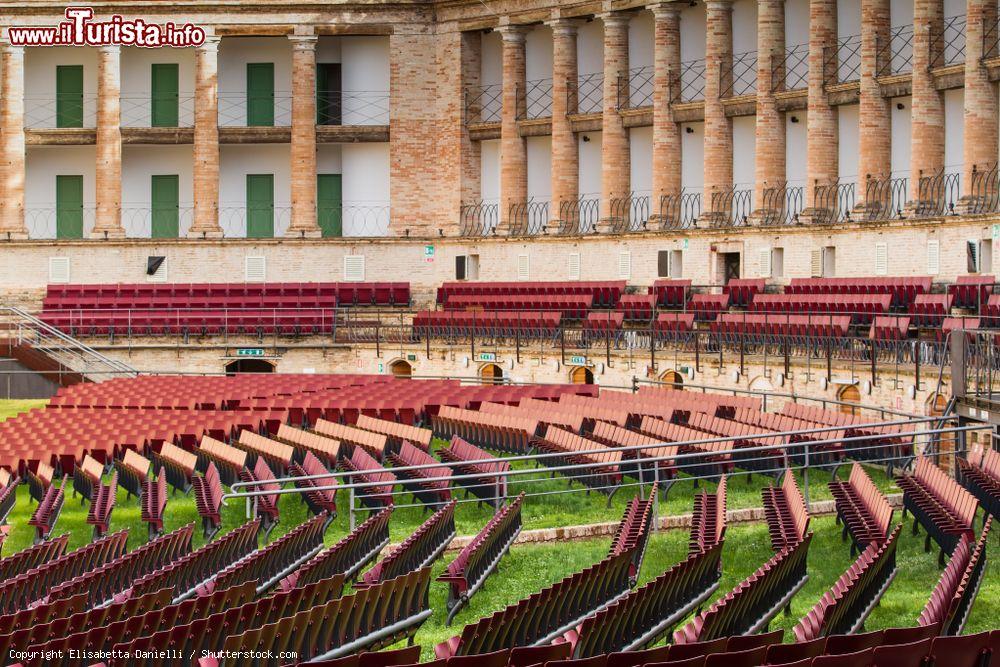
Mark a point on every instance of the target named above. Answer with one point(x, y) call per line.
point(708, 519)
point(605, 293)
point(861, 307)
point(208, 500)
point(320, 492)
point(417, 551)
point(428, 484)
point(980, 475)
point(497, 324)
point(478, 468)
point(902, 290)
point(786, 513)
point(571, 306)
point(154, 502)
point(862, 508)
point(48, 510)
point(366, 469)
point(952, 597)
point(786, 324)
point(939, 503)
point(32, 557)
point(603, 472)
point(499, 432)
point(101, 506)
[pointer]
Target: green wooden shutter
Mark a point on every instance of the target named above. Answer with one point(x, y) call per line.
point(165, 199)
point(260, 94)
point(328, 106)
point(329, 204)
point(69, 207)
point(260, 206)
point(163, 79)
point(69, 95)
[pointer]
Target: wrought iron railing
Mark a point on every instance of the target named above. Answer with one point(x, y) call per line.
point(53, 111)
point(479, 218)
point(885, 198)
point(991, 38)
point(680, 210)
point(895, 54)
point(174, 111)
point(484, 104)
point(742, 79)
point(845, 59)
point(245, 110)
point(142, 221)
point(354, 108)
point(528, 218)
point(580, 216)
point(635, 90)
point(629, 214)
point(535, 99)
point(49, 221)
point(949, 43)
point(782, 204)
point(937, 194)
point(240, 221)
point(589, 93)
point(833, 202)
point(984, 191)
point(732, 207)
point(692, 81)
point(794, 63)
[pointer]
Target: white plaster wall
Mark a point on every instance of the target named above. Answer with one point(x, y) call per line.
point(796, 22)
point(328, 159)
point(901, 12)
point(693, 32)
point(539, 168)
point(40, 83)
point(640, 40)
point(641, 147)
point(744, 151)
point(365, 80)
point(139, 164)
point(489, 166)
point(848, 18)
point(590, 48)
point(744, 26)
point(137, 82)
point(954, 7)
point(491, 65)
point(848, 141)
point(234, 55)
point(795, 147)
point(235, 162)
point(328, 49)
point(538, 53)
point(42, 165)
point(590, 163)
point(693, 156)
point(901, 136)
point(954, 130)
point(366, 188)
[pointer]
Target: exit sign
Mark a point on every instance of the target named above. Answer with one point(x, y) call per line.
point(250, 352)
point(487, 356)
point(577, 360)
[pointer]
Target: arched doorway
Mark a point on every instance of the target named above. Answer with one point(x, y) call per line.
point(761, 384)
point(491, 373)
point(401, 369)
point(849, 394)
point(249, 366)
point(581, 375)
point(935, 407)
point(673, 380)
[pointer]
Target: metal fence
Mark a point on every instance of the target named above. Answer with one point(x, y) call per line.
point(534, 99)
point(782, 204)
point(680, 210)
point(732, 207)
point(484, 104)
point(985, 190)
point(938, 194)
point(354, 108)
point(480, 218)
point(580, 216)
point(885, 198)
point(635, 90)
point(845, 59)
point(692, 81)
point(948, 44)
point(528, 218)
point(741, 79)
point(589, 93)
point(794, 63)
point(137, 111)
point(629, 214)
point(833, 202)
point(895, 54)
point(65, 111)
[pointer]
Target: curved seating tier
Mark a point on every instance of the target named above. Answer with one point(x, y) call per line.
point(417, 551)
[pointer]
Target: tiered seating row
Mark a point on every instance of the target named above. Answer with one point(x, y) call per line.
point(604, 293)
point(861, 307)
point(503, 433)
point(429, 485)
point(367, 470)
point(317, 498)
point(708, 519)
point(786, 512)
point(101, 505)
point(154, 502)
point(491, 323)
point(939, 503)
point(262, 479)
point(488, 485)
point(952, 597)
point(571, 306)
point(864, 511)
point(980, 475)
point(632, 531)
point(417, 551)
point(49, 508)
point(208, 500)
point(577, 450)
point(32, 557)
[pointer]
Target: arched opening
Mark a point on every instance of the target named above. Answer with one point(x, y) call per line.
point(581, 375)
point(401, 369)
point(249, 366)
point(849, 394)
point(673, 380)
point(761, 384)
point(491, 373)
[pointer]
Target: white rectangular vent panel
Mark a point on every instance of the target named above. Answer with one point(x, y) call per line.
point(256, 269)
point(354, 268)
point(58, 269)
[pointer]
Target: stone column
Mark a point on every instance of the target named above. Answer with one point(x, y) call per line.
point(108, 172)
point(875, 119)
point(206, 141)
point(666, 84)
point(303, 148)
point(769, 167)
point(927, 105)
point(565, 151)
point(12, 143)
point(718, 129)
point(981, 113)
point(513, 151)
point(615, 176)
point(822, 128)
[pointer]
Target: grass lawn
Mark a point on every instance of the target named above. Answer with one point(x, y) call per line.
point(529, 568)
point(10, 408)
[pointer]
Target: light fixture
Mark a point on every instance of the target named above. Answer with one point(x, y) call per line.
point(795, 119)
point(586, 139)
point(689, 129)
point(900, 106)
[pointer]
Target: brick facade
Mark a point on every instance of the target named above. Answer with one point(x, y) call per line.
point(513, 150)
point(565, 152)
point(303, 145)
point(108, 181)
point(769, 168)
point(666, 81)
point(12, 143)
point(718, 127)
point(823, 132)
point(875, 119)
point(206, 141)
point(981, 113)
point(927, 116)
point(615, 178)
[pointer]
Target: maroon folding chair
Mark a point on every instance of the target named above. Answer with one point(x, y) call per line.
point(697, 661)
point(495, 659)
point(961, 650)
point(913, 654)
point(856, 659)
point(596, 661)
point(402, 656)
point(747, 642)
point(685, 651)
point(909, 635)
point(749, 658)
point(837, 644)
point(635, 658)
point(786, 654)
point(525, 656)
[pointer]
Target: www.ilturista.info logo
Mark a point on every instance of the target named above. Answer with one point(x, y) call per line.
point(79, 29)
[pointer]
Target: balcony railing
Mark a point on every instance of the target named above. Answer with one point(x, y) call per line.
point(692, 86)
point(732, 207)
point(243, 110)
point(528, 218)
point(743, 76)
point(782, 205)
point(354, 108)
point(795, 63)
point(885, 198)
point(590, 93)
point(480, 218)
point(833, 202)
point(991, 38)
point(48, 221)
point(580, 216)
point(938, 195)
point(635, 90)
point(50, 111)
point(680, 210)
point(845, 59)
point(895, 54)
point(629, 214)
point(949, 43)
point(535, 99)
point(175, 111)
point(484, 104)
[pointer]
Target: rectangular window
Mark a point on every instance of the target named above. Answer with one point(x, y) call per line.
point(676, 264)
point(829, 261)
point(260, 206)
point(69, 95)
point(778, 263)
point(986, 256)
point(330, 204)
point(260, 94)
point(972, 257)
point(165, 206)
point(466, 267)
point(663, 264)
point(329, 110)
point(69, 207)
point(165, 95)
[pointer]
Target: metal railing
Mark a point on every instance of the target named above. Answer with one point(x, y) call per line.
point(49, 221)
point(629, 214)
point(937, 194)
point(948, 44)
point(692, 81)
point(580, 216)
point(794, 63)
point(732, 207)
point(480, 218)
point(680, 210)
point(535, 99)
point(240, 221)
point(347, 107)
point(484, 104)
point(635, 90)
point(833, 202)
point(782, 204)
point(844, 60)
point(245, 110)
point(528, 218)
point(885, 198)
point(985, 190)
point(66, 111)
point(991, 38)
point(741, 79)
point(895, 54)
point(589, 93)
point(137, 110)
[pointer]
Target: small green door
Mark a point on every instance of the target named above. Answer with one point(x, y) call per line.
point(69, 95)
point(69, 207)
point(260, 94)
point(165, 198)
point(328, 111)
point(163, 78)
point(329, 204)
point(260, 206)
